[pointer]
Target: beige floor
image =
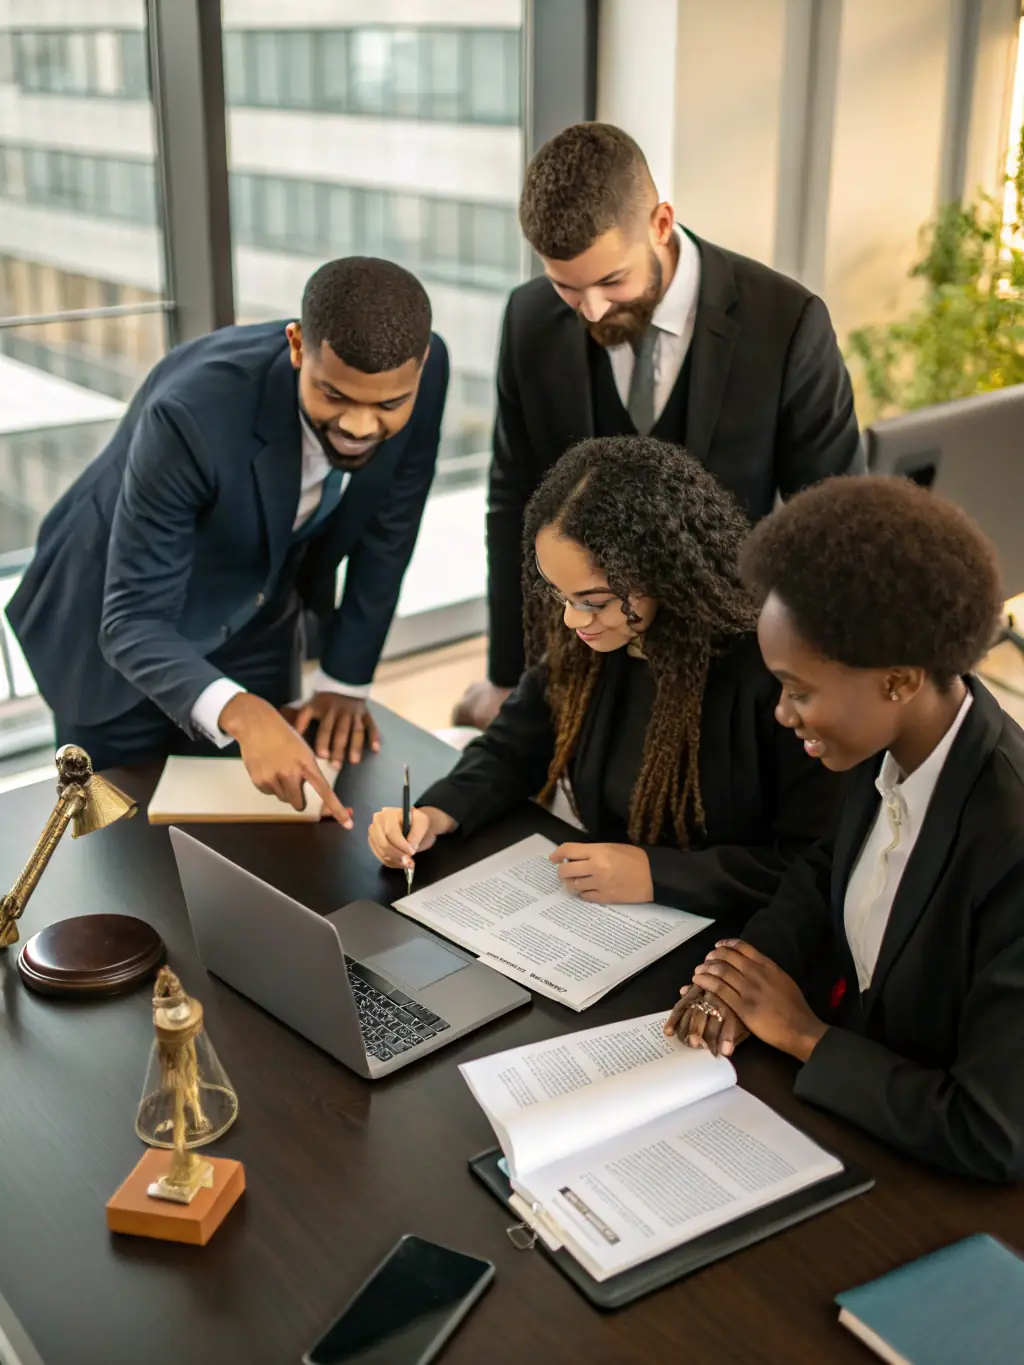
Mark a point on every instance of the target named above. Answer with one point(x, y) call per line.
point(424, 687)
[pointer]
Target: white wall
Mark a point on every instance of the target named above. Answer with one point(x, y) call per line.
point(636, 79)
point(886, 154)
point(728, 94)
point(701, 85)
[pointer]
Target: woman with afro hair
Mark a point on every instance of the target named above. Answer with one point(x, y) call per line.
point(645, 695)
point(892, 964)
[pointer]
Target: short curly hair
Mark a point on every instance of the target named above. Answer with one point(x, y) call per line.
point(588, 179)
point(658, 525)
point(878, 572)
point(374, 315)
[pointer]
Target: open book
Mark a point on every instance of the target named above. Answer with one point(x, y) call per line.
point(623, 1144)
point(513, 912)
point(209, 791)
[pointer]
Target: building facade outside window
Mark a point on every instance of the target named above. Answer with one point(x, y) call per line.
point(400, 140)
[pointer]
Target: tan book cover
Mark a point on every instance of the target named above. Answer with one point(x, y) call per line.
point(220, 791)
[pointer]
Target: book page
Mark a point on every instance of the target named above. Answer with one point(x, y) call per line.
point(512, 911)
point(220, 791)
point(548, 1099)
point(634, 1197)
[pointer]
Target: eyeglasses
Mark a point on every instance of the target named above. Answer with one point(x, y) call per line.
point(585, 608)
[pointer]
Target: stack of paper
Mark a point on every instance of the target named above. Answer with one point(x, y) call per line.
point(513, 912)
point(207, 791)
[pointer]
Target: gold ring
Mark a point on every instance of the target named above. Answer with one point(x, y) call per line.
point(705, 1006)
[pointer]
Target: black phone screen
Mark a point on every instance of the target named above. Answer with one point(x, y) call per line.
point(407, 1308)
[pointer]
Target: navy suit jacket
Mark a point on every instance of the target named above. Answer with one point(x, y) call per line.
point(171, 540)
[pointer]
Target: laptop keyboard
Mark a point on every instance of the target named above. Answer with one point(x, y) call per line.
point(390, 1021)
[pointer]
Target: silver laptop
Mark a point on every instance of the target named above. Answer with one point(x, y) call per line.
point(363, 983)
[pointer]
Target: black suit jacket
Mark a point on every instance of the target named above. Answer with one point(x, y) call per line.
point(765, 801)
point(770, 408)
point(931, 1058)
point(175, 535)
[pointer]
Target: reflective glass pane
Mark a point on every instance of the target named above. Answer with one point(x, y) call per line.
point(78, 231)
point(332, 89)
point(494, 78)
point(370, 67)
point(410, 148)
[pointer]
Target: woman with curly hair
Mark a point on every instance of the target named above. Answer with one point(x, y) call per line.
point(891, 966)
point(645, 695)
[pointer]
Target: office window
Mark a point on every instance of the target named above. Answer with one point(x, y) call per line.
point(134, 65)
point(339, 232)
point(263, 69)
point(442, 80)
point(493, 87)
point(107, 49)
point(446, 251)
point(416, 157)
point(445, 73)
point(407, 86)
point(57, 256)
point(235, 68)
point(370, 51)
point(76, 63)
point(111, 63)
point(404, 230)
point(296, 68)
point(102, 187)
point(243, 216)
point(333, 69)
point(439, 239)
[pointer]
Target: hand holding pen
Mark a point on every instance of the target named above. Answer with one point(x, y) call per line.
point(407, 826)
point(399, 834)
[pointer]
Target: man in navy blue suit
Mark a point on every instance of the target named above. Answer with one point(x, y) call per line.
point(163, 610)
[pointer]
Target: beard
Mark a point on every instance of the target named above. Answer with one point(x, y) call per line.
point(348, 464)
point(626, 322)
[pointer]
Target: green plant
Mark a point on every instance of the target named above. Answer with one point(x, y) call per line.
point(967, 334)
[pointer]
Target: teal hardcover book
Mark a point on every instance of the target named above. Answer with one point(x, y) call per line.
point(963, 1305)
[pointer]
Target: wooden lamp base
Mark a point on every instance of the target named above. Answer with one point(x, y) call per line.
point(131, 1210)
point(91, 955)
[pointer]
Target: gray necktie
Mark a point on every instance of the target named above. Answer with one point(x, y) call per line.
point(641, 385)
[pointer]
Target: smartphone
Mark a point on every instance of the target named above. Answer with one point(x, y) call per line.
point(407, 1309)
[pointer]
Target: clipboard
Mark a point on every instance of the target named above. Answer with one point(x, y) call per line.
point(630, 1285)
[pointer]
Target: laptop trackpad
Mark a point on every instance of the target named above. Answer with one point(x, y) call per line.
point(417, 964)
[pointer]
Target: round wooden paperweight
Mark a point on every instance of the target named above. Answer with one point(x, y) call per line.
point(91, 955)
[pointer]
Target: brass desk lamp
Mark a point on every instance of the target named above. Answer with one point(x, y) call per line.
point(97, 954)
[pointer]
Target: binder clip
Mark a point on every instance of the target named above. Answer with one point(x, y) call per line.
point(522, 1236)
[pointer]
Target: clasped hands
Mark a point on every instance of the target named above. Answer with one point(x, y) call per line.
point(746, 994)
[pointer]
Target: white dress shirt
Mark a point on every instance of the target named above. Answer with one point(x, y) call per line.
point(213, 699)
point(674, 318)
point(876, 876)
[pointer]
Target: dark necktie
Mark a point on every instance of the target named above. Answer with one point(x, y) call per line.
point(641, 385)
point(330, 496)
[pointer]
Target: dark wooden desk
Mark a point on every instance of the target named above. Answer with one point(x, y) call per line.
point(338, 1169)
